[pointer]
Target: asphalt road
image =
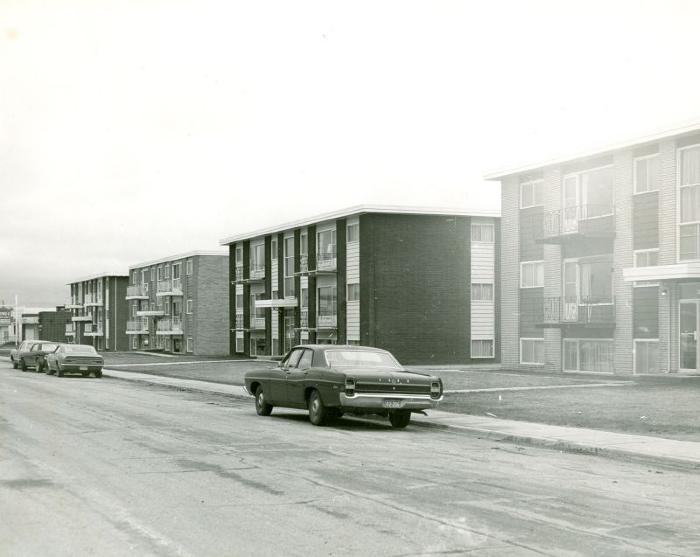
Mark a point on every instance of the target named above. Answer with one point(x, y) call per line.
point(108, 467)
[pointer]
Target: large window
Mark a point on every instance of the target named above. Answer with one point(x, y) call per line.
point(646, 257)
point(689, 164)
point(531, 194)
point(327, 305)
point(646, 356)
point(646, 174)
point(482, 292)
point(482, 348)
point(289, 266)
point(587, 195)
point(532, 274)
point(588, 355)
point(257, 259)
point(353, 292)
point(532, 351)
point(353, 232)
point(482, 233)
point(588, 280)
point(326, 246)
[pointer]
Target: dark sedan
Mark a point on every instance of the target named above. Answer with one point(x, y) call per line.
point(74, 358)
point(32, 353)
point(330, 380)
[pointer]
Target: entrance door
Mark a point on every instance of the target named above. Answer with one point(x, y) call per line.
point(688, 335)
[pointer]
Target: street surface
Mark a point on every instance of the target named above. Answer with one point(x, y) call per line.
point(109, 467)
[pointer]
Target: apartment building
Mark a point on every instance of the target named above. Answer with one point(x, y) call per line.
point(179, 304)
point(98, 312)
point(600, 266)
point(419, 282)
point(53, 324)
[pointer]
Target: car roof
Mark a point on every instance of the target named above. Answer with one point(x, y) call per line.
point(324, 347)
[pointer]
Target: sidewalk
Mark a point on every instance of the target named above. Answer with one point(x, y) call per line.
point(651, 450)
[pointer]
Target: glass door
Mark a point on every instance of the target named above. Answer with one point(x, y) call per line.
point(688, 335)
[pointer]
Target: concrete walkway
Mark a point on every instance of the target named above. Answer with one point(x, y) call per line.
point(652, 450)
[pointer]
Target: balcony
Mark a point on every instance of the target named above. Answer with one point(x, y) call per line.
point(257, 272)
point(257, 323)
point(327, 321)
point(93, 330)
point(589, 312)
point(72, 304)
point(579, 222)
point(150, 312)
point(137, 327)
point(137, 292)
point(276, 303)
point(93, 300)
point(169, 287)
point(169, 326)
point(70, 330)
point(86, 317)
point(326, 261)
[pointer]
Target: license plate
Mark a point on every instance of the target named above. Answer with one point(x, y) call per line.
point(393, 403)
point(83, 368)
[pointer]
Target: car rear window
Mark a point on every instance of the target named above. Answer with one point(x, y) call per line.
point(80, 348)
point(48, 347)
point(361, 358)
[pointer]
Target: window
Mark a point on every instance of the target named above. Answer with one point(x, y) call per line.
point(482, 233)
point(190, 344)
point(188, 269)
point(326, 246)
point(588, 281)
point(689, 165)
point(353, 232)
point(176, 271)
point(587, 195)
point(256, 312)
point(273, 248)
point(134, 309)
point(239, 301)
point(482, 348)
point(646, 174)
point(588, 355)
point(177, 308)
point(166, 271)
point(134, 274)
point(646, 356)
point(239, 344)
point(160, 273)
point(257, 259)
point(327, 305)
point(144, 277)
point(134, 342)
point(305, 360)
point(532, 274)
point(304, 299)
point(531, 194)
point(289, 266)
point(353, 292)
point(482, 292)
point(190, 305)
point(532, 351)
point(646, 257)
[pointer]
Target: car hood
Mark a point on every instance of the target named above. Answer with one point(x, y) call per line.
point(394, 376)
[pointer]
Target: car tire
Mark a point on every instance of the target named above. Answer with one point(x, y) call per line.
point(14, 364)
point(23, 364)
point(98, 374)
point(262, 407)
point(399, 419)
point(317, 411)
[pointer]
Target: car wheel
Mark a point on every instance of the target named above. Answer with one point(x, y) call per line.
point(23, 365)
point(14, 364)
point(262, 407)
point(317, 411)
point(399, 419)
point(98, 374)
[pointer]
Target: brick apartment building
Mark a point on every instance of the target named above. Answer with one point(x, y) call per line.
point(179, 304)
point(418, 282)
point(54, 324)
point(600, 265)
point(98, 312)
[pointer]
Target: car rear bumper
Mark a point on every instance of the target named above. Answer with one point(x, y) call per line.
point(77, 368)
point(388, 402)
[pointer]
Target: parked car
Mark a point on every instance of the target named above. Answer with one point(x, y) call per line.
point(330, 380)
point(31, 353)
point(74, 358)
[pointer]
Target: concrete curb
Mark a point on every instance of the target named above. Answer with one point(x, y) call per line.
point(439, 418)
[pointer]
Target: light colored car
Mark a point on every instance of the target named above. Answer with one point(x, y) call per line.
point(31, 353)
point(74, 358)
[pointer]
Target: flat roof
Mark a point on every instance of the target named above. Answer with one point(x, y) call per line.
point(99, 275)
point(655, 136)
point(357, 210)
point(178, 256)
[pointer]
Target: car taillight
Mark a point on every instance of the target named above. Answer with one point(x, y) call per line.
point(350, 387)
point(435, 389)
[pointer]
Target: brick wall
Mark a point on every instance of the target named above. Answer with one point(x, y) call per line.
point(668, 320)
point(510, 272)
point(211, 306)
point(552, 271)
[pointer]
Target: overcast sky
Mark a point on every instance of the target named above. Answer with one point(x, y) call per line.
point(132, 130)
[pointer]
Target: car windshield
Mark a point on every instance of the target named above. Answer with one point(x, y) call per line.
point(361, 358)
point(84, 348)
point(49, 347)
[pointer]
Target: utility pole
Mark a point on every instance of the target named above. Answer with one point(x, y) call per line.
point(18, 321)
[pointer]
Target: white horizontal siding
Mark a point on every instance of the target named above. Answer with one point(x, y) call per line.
point(483, 263)
point(273, 272)
point(353, 262)
point(483, 320)
point(275, 324)
point(353, 320)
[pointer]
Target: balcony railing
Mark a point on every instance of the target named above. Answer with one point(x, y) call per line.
point(85, 317)
point(326, 261)
point(73, 304)
point(154, 312)
point(93, 300)
point(327, 321)
point(581, 311)
point(170, 326)
point(137, 292)
point(257, 272)
point(257, 323)
point(169, 287)
point(137, 327)
point(93, 330)
point(594, 221)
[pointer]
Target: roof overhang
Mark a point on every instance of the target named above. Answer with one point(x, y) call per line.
point(677, 271)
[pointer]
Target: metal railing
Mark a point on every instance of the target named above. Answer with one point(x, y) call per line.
point(593, 311)
point(137, 291)
point(327, 320)
point(592, 219)
point(257, 271)
point(93, 329)
point(93, 300)
point(326, 260)
point(137, 326)
point(171, 325)
point(170, 287)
